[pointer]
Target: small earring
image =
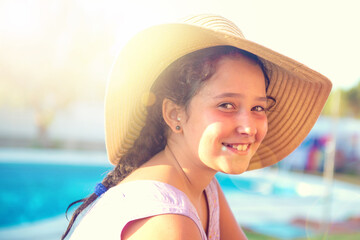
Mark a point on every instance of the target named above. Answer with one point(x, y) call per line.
point(178, 118)
point(178, 127)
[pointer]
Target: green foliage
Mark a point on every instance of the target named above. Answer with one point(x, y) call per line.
point(344, 103)
point(353, 99)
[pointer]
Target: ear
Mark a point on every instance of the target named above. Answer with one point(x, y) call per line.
point(172, 115)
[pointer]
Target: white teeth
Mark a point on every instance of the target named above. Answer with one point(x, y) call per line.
point(240, 147)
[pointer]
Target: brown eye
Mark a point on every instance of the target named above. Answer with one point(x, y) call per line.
point(258, 109)
point(227, 106)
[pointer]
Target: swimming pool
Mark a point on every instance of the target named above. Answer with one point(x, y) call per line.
point(32, 192)
point(39, 185)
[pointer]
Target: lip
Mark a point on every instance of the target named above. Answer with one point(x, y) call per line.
point(229, 146)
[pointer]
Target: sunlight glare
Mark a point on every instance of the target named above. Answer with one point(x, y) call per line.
point(308, 190)
point(19, 19)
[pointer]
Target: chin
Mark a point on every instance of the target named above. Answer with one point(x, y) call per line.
point(234, 165)
point(234, 170)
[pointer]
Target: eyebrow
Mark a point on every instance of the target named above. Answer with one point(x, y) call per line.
point(238, 95)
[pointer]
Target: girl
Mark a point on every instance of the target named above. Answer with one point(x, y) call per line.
point(185, 101)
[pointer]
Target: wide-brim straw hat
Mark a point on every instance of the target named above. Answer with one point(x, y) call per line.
point(300, 92)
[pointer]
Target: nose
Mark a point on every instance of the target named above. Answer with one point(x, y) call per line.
point(245, 124)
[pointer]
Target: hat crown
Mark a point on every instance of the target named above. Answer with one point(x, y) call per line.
point(215, 23)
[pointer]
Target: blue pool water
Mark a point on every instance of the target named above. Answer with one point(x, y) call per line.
point(32, 192)
point(36, 191)
point(259, 185)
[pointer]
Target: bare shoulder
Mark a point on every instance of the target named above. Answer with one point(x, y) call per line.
point(167, 226)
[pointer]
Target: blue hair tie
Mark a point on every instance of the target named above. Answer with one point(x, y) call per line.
point(100, 189)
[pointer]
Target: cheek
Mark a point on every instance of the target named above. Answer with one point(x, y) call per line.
point(262, 129)
point(209, 124)
point(210, 139)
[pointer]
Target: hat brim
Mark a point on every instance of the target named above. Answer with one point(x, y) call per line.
point(300, 92)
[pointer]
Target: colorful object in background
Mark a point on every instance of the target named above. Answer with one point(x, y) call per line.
point(317, 154)
point(310, 156)
point(347, 156)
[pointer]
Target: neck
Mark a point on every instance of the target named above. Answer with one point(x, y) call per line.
point(195, 176)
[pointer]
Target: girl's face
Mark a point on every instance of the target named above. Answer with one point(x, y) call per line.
point(226, 119)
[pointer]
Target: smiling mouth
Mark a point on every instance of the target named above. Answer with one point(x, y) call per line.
point(238, 147)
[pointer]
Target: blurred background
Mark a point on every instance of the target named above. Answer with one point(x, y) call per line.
point(54, 62)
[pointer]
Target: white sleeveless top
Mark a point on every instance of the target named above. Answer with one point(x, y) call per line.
point(130, 201)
